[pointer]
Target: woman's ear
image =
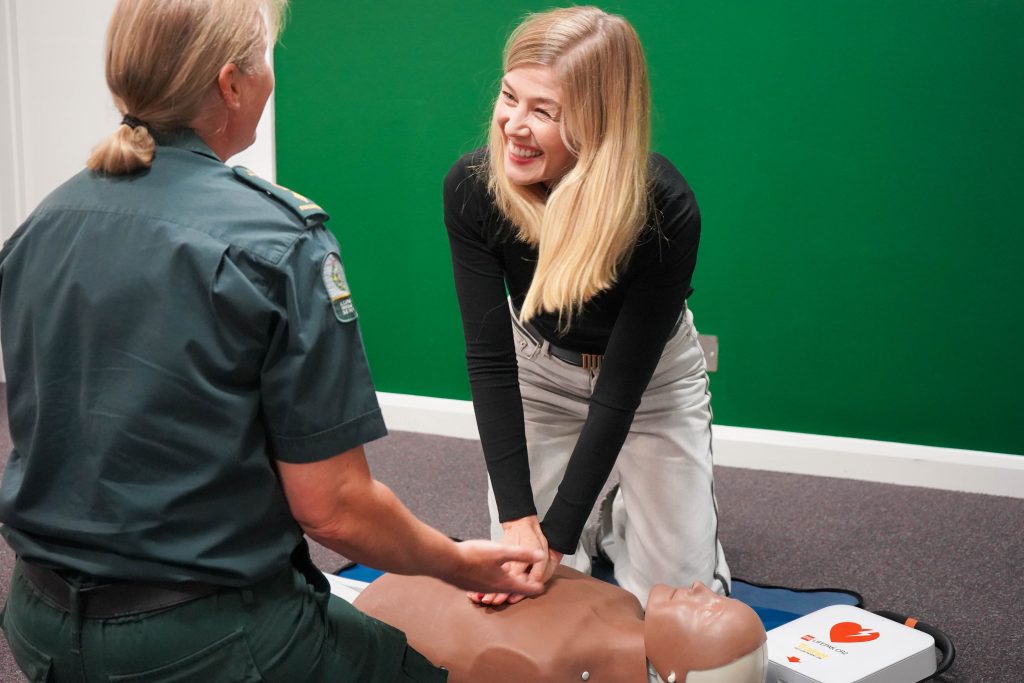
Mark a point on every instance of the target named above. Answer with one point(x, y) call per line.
point(229, 85)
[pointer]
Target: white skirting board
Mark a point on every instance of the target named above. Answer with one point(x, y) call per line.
point(763, 449)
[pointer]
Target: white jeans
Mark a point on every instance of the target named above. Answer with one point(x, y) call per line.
point(662, 524)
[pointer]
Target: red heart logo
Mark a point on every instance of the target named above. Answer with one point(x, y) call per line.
point(851, 632)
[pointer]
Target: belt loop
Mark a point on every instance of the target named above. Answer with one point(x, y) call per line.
point(76, 619)
point(530, 337)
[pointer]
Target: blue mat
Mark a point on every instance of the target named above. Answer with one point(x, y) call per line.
point(775, 605)
point(359, 572)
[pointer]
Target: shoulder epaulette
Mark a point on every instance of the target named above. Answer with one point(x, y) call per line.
point(306, 209)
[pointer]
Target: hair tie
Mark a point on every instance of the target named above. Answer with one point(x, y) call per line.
point(133, 122)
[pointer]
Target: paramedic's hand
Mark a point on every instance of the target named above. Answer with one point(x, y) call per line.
point(524, 532)
point(485, 565)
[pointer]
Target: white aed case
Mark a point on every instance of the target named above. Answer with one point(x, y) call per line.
point(846, 644)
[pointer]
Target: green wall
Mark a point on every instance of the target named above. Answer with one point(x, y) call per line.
point(858, 166)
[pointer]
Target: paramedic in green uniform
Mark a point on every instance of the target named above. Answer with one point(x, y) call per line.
point(188, 394)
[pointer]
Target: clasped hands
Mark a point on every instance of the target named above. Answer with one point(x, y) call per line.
point(524, 532)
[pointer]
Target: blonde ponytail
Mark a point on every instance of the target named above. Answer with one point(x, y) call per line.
point(586, 228)
point(128, 150)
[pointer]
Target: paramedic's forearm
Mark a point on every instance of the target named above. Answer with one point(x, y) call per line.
point(340, 505)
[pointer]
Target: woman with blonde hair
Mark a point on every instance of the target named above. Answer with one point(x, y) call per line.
point(593, 365)
point(188, 394)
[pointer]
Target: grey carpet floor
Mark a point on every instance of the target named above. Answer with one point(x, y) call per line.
point(950, 559)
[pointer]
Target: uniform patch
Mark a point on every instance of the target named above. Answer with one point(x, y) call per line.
point(337, 289)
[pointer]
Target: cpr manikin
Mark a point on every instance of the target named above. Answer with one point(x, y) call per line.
point(581, 629)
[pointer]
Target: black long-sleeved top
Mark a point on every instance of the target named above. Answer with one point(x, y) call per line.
point(629, 323)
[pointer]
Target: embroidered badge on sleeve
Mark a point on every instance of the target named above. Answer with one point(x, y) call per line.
point(337, 289)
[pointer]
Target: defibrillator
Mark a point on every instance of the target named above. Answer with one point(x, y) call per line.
point(846, 644)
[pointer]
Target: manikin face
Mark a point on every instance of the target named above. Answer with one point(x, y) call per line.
point(695, 629)
point(528, 115)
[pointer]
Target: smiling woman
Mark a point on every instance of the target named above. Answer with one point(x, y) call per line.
point(528, 117)
point(585, 77)
point(595, 366)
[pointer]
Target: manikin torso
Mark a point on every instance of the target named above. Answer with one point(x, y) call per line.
point(601, 639)
point(580, 629)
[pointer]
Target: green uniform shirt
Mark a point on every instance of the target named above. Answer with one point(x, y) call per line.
point(166, 336)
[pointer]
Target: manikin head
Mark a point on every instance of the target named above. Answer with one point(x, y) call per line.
point(693, 635)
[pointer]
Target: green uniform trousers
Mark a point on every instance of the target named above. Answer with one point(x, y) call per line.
point(280, 630)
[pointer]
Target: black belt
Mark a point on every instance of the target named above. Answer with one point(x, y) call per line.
point(110, 600)
point(587, 361)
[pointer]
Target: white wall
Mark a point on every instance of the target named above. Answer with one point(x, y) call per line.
point(11, 185)
point(60, 101)
point(54, 103)
point(996, 474)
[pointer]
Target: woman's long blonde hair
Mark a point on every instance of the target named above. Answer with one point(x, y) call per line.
point(163, 56)
point(586, 227)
